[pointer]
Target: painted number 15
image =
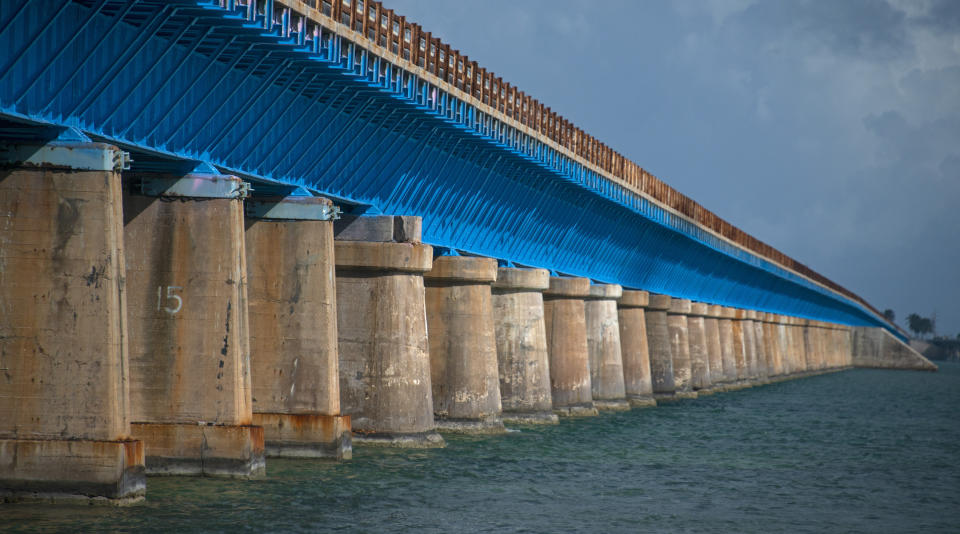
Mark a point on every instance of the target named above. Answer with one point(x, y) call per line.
point(171, 295)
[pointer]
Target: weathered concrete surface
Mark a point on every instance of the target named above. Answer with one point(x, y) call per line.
point(631, 317)
point(293, 336)
point(658, 342)
point(763, 357)
point(768, 336)
point(603, 346)
point(378, 228)
point(740, 327)
point(783, 343)
point(64, 407)
point(463, 345)
point(524, 365)
point(799, 348)
point(680, 348)
point(878, 348)
point(727, 348)
point(758, 364)
point(382, 330)
point(565, 318)
point(711, 325)
point(190, 390)
point(697, 337)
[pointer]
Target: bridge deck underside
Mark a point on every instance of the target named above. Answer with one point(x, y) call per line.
point(180, 82)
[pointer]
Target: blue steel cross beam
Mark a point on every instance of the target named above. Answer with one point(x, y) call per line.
point(297, 107)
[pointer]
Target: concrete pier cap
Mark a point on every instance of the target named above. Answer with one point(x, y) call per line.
point(680, 347)
point(463, 347)
point(564, 314)
point(64, 402)
point(658, 343)
point(385, 384)
point(637, 380)
point(522, 356)
point(187, 275)
point(604, 347)
point(293, 327)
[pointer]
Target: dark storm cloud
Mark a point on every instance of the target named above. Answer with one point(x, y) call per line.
point(862, 28)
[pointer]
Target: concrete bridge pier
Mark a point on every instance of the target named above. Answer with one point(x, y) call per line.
point(697, 337)
point(811, 336)
point(565, 318)
point(830, 342)
point(766, 332)
point(64, 407)
point(658, 343)
point(739, 326)
point(752, 349)
point(293, 328)
point(190, 385)
point(633, 343)
point(823, 347)
point(728, 346)
point(800, 348)
point(524, 365)
point(711, 324)
point(784, 346)
point(806, 338)
point(759, 350)
point(604, 347)
point(680, 348)
point(385, 384)
point(822, 336)
point(463, 345)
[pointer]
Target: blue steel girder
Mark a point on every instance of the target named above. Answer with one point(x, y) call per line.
point(193, 80)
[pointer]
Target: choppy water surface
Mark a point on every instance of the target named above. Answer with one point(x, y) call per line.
point(858, 451)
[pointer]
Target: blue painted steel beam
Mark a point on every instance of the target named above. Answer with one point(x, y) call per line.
point(190, 80)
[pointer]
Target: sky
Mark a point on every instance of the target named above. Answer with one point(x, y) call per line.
point(830, 130)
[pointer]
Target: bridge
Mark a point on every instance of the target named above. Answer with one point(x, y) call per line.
point(227, 228)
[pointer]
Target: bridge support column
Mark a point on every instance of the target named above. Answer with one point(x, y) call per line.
point(819, 332)
point(524, 366)
point(189, 339)
point(783, 346)
point(754, 348)
point(565, 318)
point(293, 328)
point(680, 348)
point(64, 412)
point(727, 346)
point(711, 326)
point(463, 345)
point(763, 361)
point(603, 345)
point(633, 343)
point(771, 345)
point(699, 360)
point(658, 341)
point(740, 327)
point(799, 349)
point(382, 329)
point(822, 340)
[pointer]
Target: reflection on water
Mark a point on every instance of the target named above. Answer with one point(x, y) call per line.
point(858, 451)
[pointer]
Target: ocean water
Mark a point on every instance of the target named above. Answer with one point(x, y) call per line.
point(858, 451)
